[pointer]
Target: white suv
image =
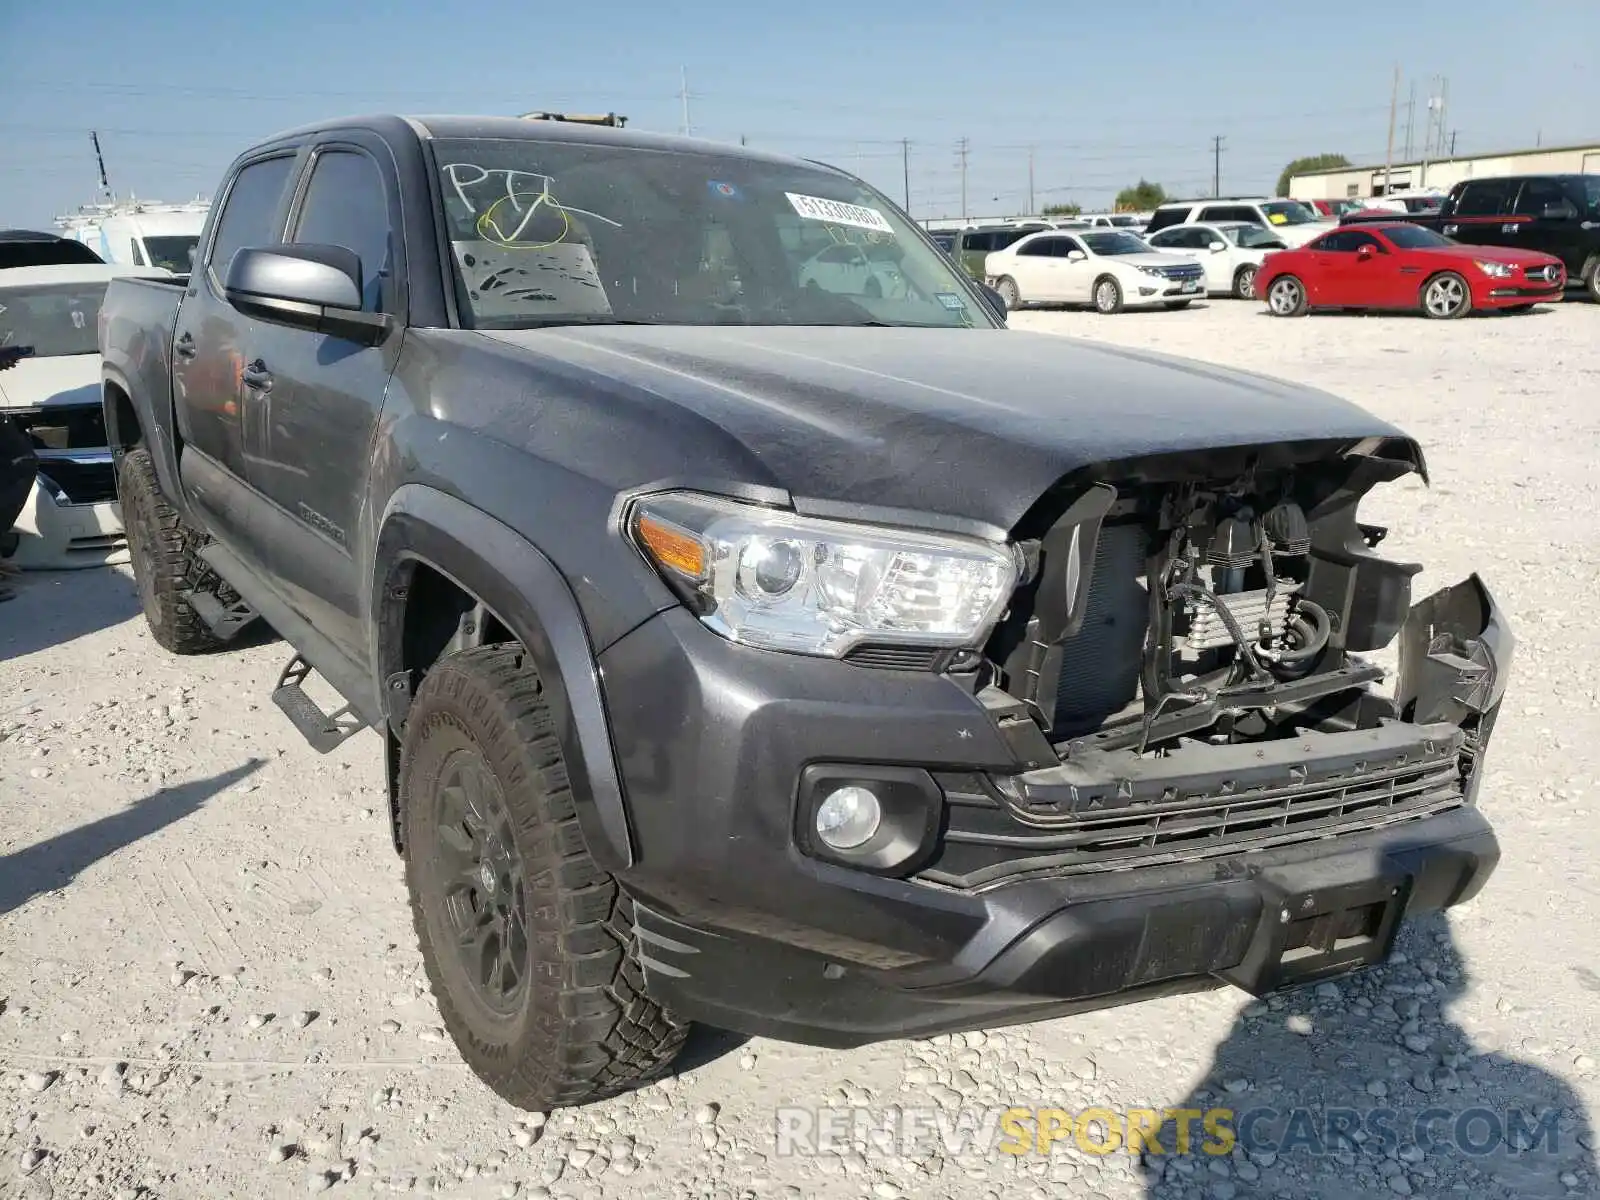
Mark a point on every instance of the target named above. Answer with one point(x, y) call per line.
point(1292, 221)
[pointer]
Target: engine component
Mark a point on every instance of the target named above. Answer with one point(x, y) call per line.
point(1285, 525)
point(1100, 663)
point(1235, 544)
point(1208, 631)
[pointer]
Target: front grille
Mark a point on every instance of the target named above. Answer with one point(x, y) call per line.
point(80, 482)
point(899, 658)
point(1181, 273)
point(1546, 273)
point(985, 844)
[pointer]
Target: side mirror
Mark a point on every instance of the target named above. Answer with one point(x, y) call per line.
point(1218, 247)
point(1076, 256)
point(1366, 251)
point(315, 288)
point(993, 299)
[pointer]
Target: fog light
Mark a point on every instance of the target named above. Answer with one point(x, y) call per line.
point(848, 817)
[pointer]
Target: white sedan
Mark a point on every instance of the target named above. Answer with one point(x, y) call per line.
point(850, 270)
point(1229, 252)
point(1107, 268)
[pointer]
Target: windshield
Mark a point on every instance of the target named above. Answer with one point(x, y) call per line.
point(174, 253)
point(1288, 212)
point(561, 232)
point(55, 319)
point(1111, 244)
point(1254, 237)
point(1414, 237)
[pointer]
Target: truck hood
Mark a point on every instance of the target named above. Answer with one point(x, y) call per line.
point(46, 382)
point(975, 424)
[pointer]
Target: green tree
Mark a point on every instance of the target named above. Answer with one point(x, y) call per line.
point(1061, 210)
point(1313, 162)
point(1142, 197)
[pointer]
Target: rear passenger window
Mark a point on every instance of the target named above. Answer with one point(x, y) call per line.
point(249, 212)
point(1044, 248)
point(345, 205)
point(1539, 193)
point(1168, 216)
point(1485, 198)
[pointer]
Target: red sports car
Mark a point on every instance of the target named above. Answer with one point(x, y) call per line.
point(1401, 266)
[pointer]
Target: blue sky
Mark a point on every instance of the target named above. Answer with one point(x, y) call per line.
point(1103, 92)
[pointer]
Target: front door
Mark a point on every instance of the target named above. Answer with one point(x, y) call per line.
point(212, 404)
point(1076, 274)
point(319, 396)
point(1552, 221)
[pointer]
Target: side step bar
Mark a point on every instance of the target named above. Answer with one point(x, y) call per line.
point(224, 620)
point(323, 730)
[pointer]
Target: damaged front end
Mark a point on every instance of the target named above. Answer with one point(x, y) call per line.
point(1182, 671)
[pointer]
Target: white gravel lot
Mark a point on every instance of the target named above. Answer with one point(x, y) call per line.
point(209, 985)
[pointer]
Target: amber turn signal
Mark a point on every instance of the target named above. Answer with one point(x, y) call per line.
point(671, 547)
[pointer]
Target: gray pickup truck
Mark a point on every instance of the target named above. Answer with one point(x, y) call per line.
point(792, 649)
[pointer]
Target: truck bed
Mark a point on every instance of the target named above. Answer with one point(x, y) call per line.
point(137, 321)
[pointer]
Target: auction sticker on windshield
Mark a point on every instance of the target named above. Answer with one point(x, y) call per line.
point(839, 213)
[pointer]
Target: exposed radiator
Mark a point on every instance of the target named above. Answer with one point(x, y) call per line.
point(1100, 664)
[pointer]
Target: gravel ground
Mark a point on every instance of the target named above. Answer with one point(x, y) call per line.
point(209, 986)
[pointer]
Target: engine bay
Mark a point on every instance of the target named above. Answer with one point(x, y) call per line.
point(1176, 605)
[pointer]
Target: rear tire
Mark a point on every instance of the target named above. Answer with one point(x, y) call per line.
point(528, 944)
point(1446, 296)
point(1107, 295)
point(1286, 297)
point(166, 558)
point(1591, 279)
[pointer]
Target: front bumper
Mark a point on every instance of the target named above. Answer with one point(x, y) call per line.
point(54, 534)
point(741, 927)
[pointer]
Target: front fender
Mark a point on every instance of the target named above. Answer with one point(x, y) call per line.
point(530, 597)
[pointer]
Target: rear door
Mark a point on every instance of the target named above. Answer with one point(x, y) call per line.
point(320, 395)
point(1038, 269)
point(208, 354)
point(1483, 214)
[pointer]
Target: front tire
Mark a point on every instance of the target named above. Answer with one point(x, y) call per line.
point(1286, 297)
point(1244, 283)
point(166, 558)
point(1107, 295)
point(528, 944)
point(1446, 296)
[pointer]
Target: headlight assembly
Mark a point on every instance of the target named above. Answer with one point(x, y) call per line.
point(1498, 270)
point(771, 578)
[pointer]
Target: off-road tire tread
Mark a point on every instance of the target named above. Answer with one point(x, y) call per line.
point(175, 554)
point(612, 1037)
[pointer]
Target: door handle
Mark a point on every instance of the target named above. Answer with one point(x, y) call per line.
point(186, 348)
point(256, 377)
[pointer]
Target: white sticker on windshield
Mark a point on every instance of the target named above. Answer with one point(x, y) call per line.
point(837, 212)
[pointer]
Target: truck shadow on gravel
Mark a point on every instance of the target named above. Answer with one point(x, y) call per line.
point(55, 862)
point(1372, 1090)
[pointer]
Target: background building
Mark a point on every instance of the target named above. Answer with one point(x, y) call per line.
point(1339, 183)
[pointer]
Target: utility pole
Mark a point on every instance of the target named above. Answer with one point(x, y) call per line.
point(961, 153)
point(1030, 181)
point(683, 95)
point(905, 169)
point(1388, 155)
point(1444, 105)
point(1427, 134)
point(1216, 165)
point(1411, 115)
point(1453, 133)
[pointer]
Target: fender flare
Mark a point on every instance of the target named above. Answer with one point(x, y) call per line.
point(531, 598)
point(157, 437)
